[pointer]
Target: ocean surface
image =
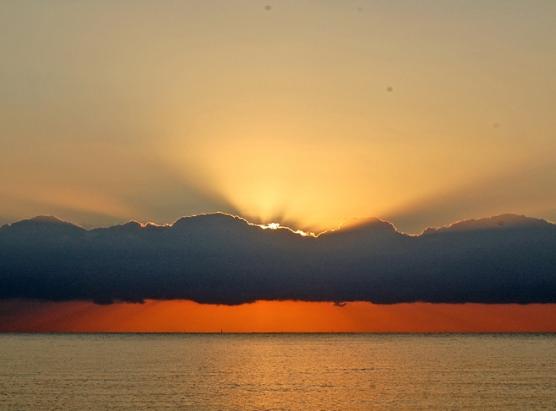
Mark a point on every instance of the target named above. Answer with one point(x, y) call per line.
point(277, 372)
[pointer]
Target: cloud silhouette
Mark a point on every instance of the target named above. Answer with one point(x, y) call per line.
point(222, 259)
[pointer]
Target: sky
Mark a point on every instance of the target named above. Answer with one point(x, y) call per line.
point(308, 113)
point(311, 114)
point(273, 316)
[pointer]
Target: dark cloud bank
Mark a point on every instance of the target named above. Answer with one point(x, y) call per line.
point(222, 259)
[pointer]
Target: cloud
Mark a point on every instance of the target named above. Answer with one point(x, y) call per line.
point(222, 259)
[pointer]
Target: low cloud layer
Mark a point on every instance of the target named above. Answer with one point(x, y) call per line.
point(222, 259)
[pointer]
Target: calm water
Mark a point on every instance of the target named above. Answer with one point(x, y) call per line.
point(277, 372)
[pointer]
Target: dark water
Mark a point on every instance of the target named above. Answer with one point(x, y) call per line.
point(277, 372)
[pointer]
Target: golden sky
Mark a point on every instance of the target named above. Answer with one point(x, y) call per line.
point(311, 113)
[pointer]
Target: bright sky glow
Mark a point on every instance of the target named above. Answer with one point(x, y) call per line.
point(419, 113)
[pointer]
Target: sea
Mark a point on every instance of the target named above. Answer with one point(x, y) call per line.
point(277, 371)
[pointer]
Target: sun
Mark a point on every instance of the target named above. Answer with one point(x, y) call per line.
point(277, 226)
point(270, 226)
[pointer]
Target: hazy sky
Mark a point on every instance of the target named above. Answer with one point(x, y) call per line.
point(307, 112)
